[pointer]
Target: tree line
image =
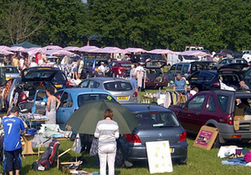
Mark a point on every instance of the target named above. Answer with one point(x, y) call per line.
point(150, 24)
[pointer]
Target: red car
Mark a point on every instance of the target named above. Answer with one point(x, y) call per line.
point(228, 111)
point(121, 68)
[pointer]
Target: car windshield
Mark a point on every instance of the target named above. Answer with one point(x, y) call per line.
point(60, 77)
point(11, 70)
point(39, 74)
point(118, 86)
point(157, 119)
point(125, 64)
point(83, 98)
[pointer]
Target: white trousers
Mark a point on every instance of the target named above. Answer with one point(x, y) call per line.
point(107, 153)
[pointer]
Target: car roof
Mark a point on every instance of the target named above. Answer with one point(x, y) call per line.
point(136, 108)
point(92, 59)
point(239, 94)
point(103, 79)
point(84, 90)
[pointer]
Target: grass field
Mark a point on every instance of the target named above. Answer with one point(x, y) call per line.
point(199, 162)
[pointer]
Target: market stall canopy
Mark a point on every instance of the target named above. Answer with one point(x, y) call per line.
point(58, 52)
point(109, 50)
point(26, 44)
point(161, 51)
point(34, 50)
point(71, 48)
point(16, 48)
point(6, 52)
point(52, 47)
point(88, 48)
point(133, 50)
point(193, 53)
point(4, 47)
point(85, 119)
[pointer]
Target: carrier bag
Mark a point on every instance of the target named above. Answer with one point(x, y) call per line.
point(47, 158)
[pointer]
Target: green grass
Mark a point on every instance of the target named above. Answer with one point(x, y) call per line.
point(199, 162)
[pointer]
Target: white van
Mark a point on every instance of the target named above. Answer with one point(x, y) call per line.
point(191, 48)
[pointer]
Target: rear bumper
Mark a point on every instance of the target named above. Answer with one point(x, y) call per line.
point(139, 153)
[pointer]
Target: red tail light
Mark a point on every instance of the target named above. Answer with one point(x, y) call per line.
point(75, 110)
point(183, 136)
point(217, 84)
point(67, 83)
point(132, 138)
point(135, 94)
point(23, 97)
point(229, 119)
point(164, 78)
point(146, 80)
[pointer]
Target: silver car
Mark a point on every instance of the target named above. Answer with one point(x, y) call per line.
point(11, 72)
point(121, 89)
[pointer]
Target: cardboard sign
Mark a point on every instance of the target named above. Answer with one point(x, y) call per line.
point(159, 157)
point(206, 137)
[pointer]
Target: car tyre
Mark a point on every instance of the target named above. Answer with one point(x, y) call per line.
point(217, 143)
point(119, 159)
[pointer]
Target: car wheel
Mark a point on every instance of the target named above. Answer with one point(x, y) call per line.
point(119, 159)
point(183, 161)
point(217, 143)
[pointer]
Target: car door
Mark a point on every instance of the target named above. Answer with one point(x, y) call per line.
point(191, 113)
point(65, 109)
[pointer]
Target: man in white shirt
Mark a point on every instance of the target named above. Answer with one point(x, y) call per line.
point(102, 67)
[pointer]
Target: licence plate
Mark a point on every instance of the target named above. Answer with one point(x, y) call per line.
point(58, 85)
point(171, 150)
point(122, 98)
point(7, 78)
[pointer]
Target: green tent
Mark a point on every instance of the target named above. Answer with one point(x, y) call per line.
point(26, 44)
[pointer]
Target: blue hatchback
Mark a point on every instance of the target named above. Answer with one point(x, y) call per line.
point(73, 98)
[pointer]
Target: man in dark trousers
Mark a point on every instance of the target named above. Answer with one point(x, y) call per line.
point(13, 128)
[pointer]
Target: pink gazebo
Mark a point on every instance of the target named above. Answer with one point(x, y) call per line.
point(52, 47)
point(134, 50)
point(16, 48)
point(161, 51)
point(88, 48)
point(71, 48)
point(58, 52)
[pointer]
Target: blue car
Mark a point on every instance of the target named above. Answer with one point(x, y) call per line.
point(73, 98)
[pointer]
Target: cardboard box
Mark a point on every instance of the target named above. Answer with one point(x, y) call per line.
point(236, 125)
point(239, 114)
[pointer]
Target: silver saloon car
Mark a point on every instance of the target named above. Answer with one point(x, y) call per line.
point(121, 89)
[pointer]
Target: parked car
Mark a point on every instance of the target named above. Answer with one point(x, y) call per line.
point(121, 68)
point(219, 109)
point(156, 123)
point(188, 68)
point(31, 80)
point(154, 75)
point(91, 66)
point(121, 89)
point(11, 72)
point(52, 74)
point(230, 75)
point(229, 61)
point(142, 58)
point(73, 98)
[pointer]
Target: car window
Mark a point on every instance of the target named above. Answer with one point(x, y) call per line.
point(172, 69)
point(185, 68)
point(223, 100)
point(84, 84)
point(179, 67)
point(83, 98)
point(88, 63)
point(196, 102)
point(206, 76)
point(60, 77)
point(125, 64)
point(93, 84)
point(66, 100)
point(118, 86)
point(11, 70)
point(211, 104)
point(157, 119)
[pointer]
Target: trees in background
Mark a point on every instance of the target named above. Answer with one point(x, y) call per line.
point(149, 24)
